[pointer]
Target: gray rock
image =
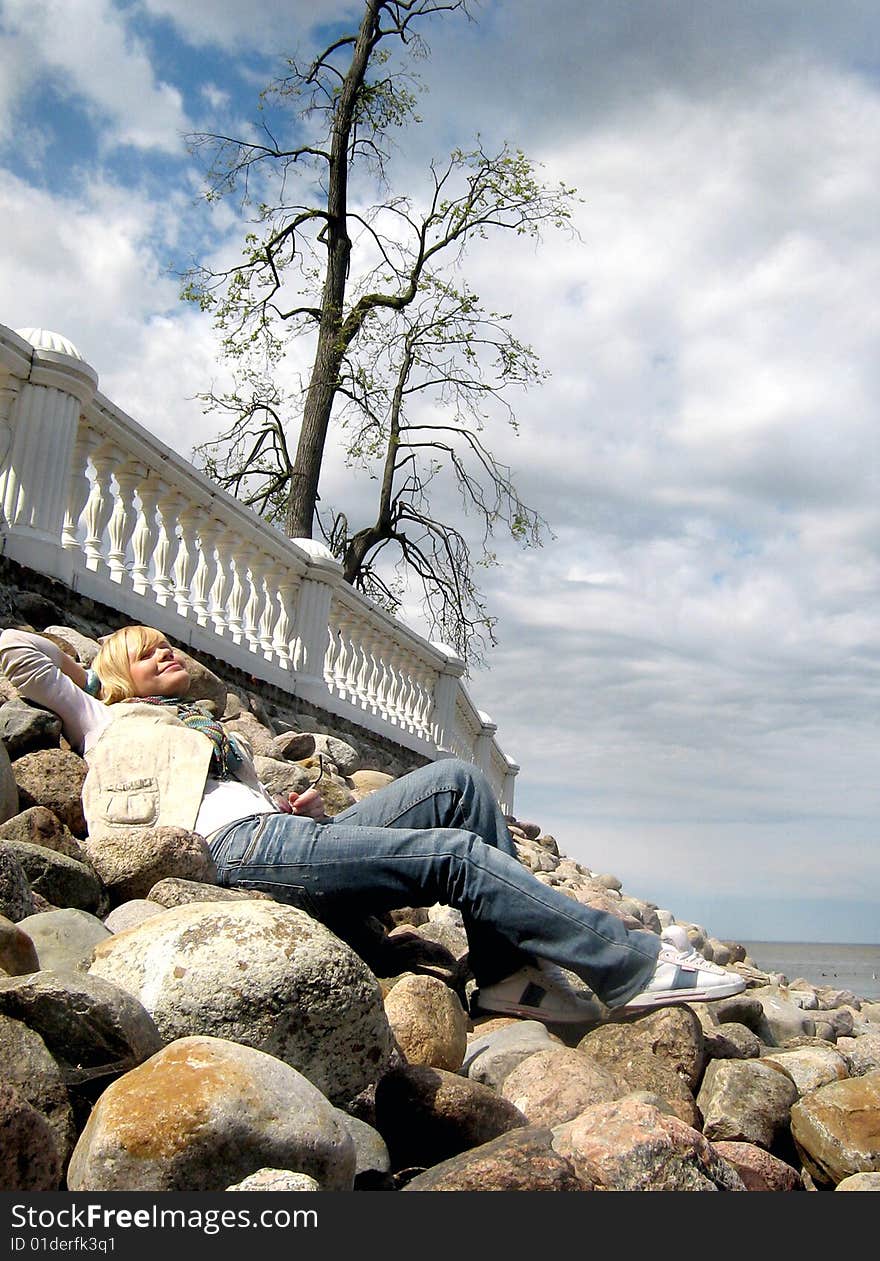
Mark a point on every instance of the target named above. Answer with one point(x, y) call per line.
point(16, 899)
point(204, 1113)
point(62, 881)
point(491, 1058)
point(85, 647)
point(746, 1101)
point(8, 787)
point(29, 1157)
point(263, 974)
point(859, 1182)
point(53, 778)
point(130, 865)
point(862, 1054)
point(282, 778)
point(24, 728)
point(291, 746)
point(731, 1041)
point(26, 1063)
point(172, 891)
point(92, 1027)
point(370, 1150)
point(810, 1067)
point(64, 939)
point(276, 1180)
point(344, 756)
point(128, 914)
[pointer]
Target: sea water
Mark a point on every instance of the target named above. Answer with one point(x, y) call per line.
point(842, 965)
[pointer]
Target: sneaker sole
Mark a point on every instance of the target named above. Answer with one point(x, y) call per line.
point(659, 998)
point(535, 1013)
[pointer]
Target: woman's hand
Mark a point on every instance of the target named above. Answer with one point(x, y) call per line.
point(309, 803)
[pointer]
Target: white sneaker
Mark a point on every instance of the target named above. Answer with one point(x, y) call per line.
point(683, 976)
point(676, 935)
point(540, 992)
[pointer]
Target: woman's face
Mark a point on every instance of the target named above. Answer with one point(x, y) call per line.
point(159, 672)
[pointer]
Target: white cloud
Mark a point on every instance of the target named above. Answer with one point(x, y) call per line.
point(86, 51)
point(274, 26)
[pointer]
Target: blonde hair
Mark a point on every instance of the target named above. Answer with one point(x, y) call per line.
point(113, 662)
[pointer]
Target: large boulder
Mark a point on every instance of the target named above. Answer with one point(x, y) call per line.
point(53, 778)
point(632, 1146)
point(130, 865)
point(557, 1084)
point(62, 881)
point(25, 1062)
point(746, 1101)
point(492, 1056)
point(39, 826)
point(204, 1113)
point(263, 974)
point(64, 939)
point(837, 1129)
point(23, 728)
point(93, 1028)
point(672, 1034)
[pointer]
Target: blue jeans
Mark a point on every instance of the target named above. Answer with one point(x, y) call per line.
point(435, 835)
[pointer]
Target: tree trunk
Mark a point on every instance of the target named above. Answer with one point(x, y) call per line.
point(303, 494)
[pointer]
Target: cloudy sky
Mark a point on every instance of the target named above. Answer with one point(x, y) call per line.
point(688, 674)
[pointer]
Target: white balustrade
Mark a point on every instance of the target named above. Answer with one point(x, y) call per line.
point(90, 497)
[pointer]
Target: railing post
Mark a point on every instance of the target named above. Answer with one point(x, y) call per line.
point(442, 719)
point(41, 420)
point(312, 614)
point(507, 788)
point(483, 746)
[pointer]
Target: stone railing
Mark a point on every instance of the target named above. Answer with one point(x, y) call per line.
point(91, 498)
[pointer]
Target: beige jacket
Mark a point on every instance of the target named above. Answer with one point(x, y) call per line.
point(148, 769)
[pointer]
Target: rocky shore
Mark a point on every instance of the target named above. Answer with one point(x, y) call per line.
point(160, 1033)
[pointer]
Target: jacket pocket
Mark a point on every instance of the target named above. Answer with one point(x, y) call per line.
point(133, 801)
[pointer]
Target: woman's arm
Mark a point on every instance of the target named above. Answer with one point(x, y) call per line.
point(41, 672)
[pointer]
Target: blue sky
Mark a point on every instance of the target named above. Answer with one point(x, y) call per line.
point(688, 675)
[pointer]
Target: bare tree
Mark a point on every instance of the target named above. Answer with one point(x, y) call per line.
point(318, 265)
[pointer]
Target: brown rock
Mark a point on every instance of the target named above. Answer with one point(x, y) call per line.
point(259, 738)
point(172, 891)
point(129, 866)
point(521, 1160)
point(428, 1022)
point(631, 1146)
point(758, 1169)
point(17, 953)
point(837, 1129)
point(746, 1101)
point(673, 1034)
point(555, 1085)
point(53, 778)
point(39, 826)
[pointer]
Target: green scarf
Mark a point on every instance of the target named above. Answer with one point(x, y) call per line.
point(226, 755)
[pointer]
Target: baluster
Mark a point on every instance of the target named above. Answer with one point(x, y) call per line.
point(235, 603)
point(282, 640)
point(373, 674)
point(78, 487)
point(118, 527)
point(99, 506)
point(185, 562)
point(206, 573)
point(271, 611)
point(341, 665)
point(223, 582)
point(143, 540)
point(334, 648)
point(254, 604)
point(169, 501)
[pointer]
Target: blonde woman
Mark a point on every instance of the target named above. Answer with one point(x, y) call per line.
point(434, 835)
